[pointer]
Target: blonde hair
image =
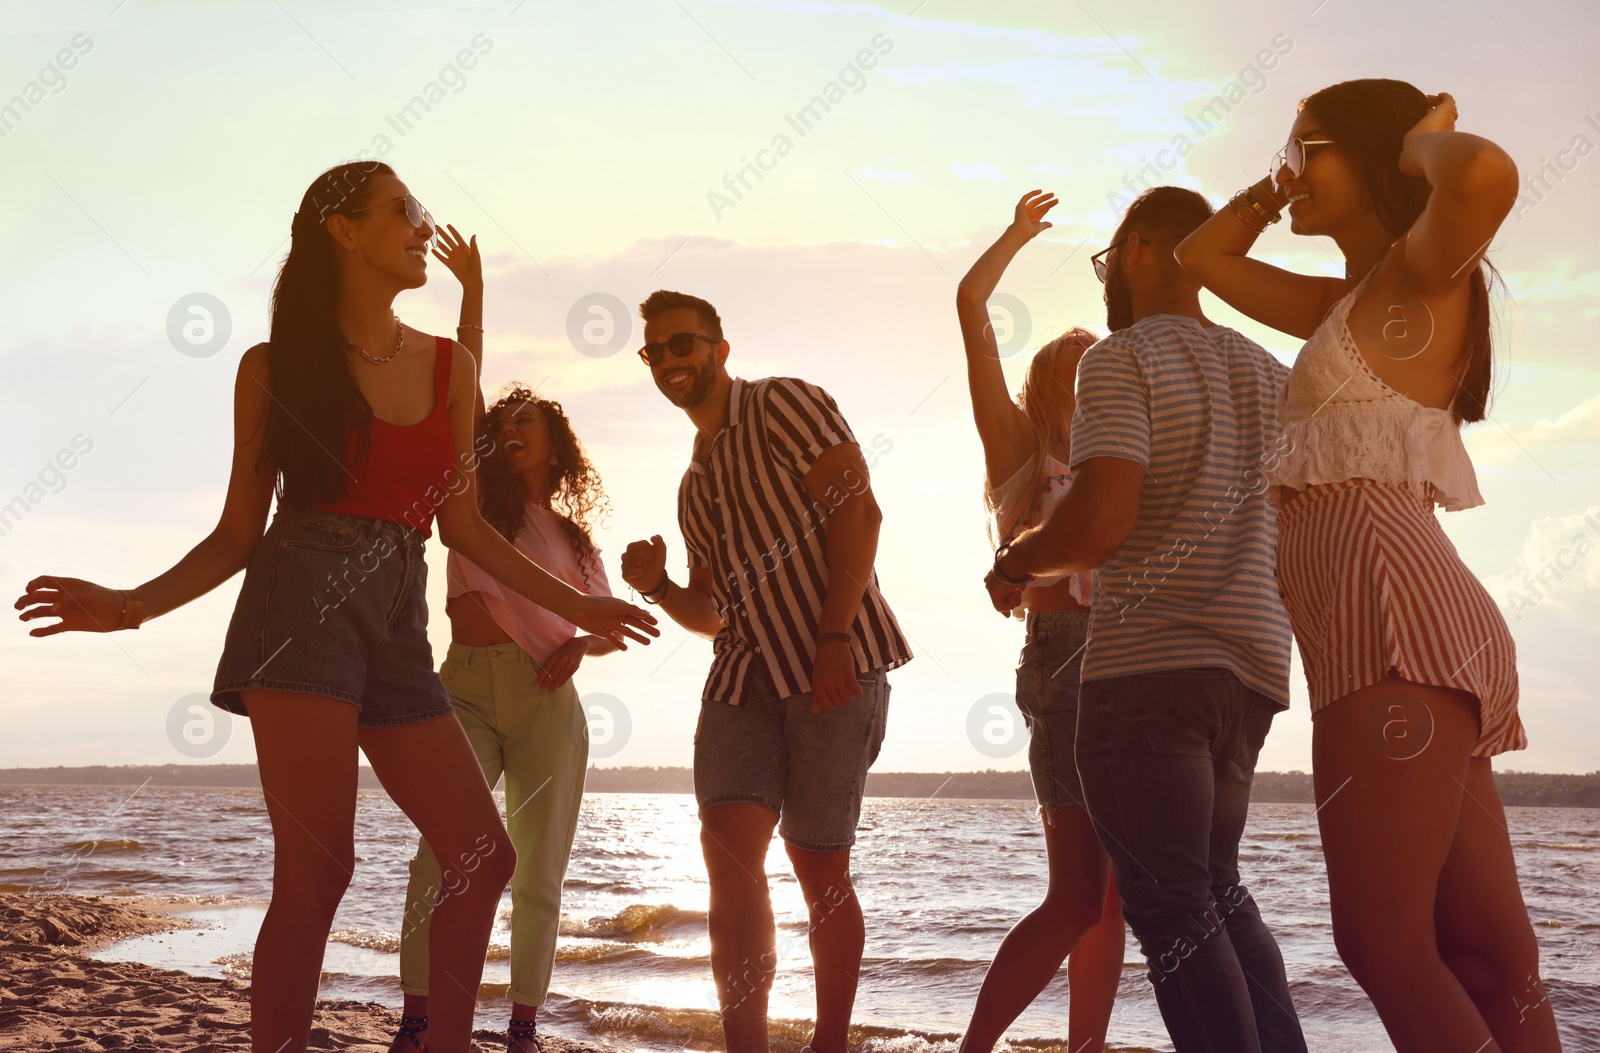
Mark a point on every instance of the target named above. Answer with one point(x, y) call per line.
point(1044, 400)
point(1047, 402)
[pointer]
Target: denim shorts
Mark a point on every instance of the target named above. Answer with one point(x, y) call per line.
point(1047, 695)
point(334, 605)
point(808, 769)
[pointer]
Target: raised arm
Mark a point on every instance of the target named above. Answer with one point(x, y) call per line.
point(1007, 437)
point(85, 607)
point(461, 256)
point(644, 567)
point(463, 529)
point(1474, 187)
point(1217, 256)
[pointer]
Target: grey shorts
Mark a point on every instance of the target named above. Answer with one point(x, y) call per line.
point(333, 605)
point(809, 770)
point(1047, 695)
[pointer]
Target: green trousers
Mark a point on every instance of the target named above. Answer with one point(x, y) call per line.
point(538, 740)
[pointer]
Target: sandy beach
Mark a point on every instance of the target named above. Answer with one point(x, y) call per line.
point(53, 997)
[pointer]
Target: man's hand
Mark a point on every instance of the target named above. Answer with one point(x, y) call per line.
point(833, 676)
point(644, 564)
point(1004, 595)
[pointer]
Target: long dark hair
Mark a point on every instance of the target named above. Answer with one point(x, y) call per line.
point(1368, 119)
point(315, 399)
point(576, 496)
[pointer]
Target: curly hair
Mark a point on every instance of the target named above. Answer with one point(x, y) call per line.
point(575, 494)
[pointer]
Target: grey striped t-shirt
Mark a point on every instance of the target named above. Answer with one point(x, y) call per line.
point(1194, 584)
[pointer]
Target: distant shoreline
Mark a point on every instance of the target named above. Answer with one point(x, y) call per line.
point(1517, 789)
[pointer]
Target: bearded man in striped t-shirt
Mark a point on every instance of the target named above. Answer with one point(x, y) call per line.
point(777, 514)
point(1188, 653)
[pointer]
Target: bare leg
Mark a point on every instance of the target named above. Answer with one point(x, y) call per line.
point(1390, 763)
point(1079, 916)
point(837, 937)
point(306, 752)
point(1094, 969)
point(1484, 933)
point(734, 839)
point(431, 772)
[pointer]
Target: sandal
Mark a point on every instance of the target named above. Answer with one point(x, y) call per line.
point(519, 1029)
point(411, 1027)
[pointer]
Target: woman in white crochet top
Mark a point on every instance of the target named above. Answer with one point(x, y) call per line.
point(1411, 670)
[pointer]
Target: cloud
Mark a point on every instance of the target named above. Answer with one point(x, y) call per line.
point(977, 170)
point(884, 175)
point(1557, 570)
point(1575, 432)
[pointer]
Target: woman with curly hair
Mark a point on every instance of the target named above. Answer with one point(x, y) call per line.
point(509, 673)
point(1411, 669)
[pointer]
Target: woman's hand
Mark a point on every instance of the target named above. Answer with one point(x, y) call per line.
point(1440, 118)
point(563, 662)
point(615, 620)
point(82, 606)
point(1029, 220)
point(461, 256)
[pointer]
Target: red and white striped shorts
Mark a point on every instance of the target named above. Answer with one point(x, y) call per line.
point(1373, 586)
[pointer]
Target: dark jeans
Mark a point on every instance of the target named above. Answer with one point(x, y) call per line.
point(1166, 761)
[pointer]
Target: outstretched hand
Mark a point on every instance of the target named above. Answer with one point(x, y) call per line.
point(1029, 219)
point(616, 620)
point(81, 605)
point(460, 255)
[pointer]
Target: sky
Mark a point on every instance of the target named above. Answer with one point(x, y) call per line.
point(603, 150)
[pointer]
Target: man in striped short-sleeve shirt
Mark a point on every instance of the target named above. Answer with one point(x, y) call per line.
point(777, 514)
point(1188, 653)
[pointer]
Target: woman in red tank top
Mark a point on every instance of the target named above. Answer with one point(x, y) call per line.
point(363, 427)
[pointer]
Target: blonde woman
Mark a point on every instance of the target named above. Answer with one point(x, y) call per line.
point(1025, 448)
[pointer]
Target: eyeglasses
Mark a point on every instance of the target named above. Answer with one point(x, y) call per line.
point(416, 215)
point(1293, 156)
point(1101, 264)
point(680, 344)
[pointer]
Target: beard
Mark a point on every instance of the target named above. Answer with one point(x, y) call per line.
point(1119, 302)
point(705, 377)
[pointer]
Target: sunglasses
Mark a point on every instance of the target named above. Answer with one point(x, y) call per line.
point(1102, 266)
point(680, 344)
point(416, 215)
point(1293, 156)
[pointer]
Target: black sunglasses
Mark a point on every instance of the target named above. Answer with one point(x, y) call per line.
point(1294, 156)
point(680, 344)
point(1101, 264)
point(416, 215)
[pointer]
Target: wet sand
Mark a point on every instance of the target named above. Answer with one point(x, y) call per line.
point(53, 997)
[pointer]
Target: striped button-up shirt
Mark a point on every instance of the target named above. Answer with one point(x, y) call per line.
point(745, 514)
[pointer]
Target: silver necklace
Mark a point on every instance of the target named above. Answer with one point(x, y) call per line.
point(399, 338)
